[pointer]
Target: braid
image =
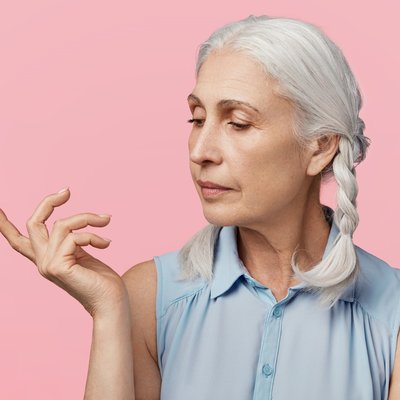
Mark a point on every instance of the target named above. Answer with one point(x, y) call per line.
point(346, 215)
point(338, 269)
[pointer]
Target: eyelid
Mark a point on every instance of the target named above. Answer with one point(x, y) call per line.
point(239, 126)
point(195, 121)
point(236, 125)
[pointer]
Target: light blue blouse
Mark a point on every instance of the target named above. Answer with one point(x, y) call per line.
point(231, 340)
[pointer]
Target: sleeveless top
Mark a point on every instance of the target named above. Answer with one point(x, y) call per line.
point(229, 339)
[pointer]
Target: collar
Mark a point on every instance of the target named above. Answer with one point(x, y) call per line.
point(228, 267)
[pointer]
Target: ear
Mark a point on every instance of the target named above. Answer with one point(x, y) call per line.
point(323, 150)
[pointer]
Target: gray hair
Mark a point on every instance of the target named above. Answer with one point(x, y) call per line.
point(314, 75)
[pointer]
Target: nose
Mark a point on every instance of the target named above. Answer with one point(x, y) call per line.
point(204, 145)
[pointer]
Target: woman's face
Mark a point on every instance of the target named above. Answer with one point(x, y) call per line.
point(260, 162)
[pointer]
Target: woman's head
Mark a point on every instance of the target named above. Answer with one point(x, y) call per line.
point(299, 78)
point(243, 138)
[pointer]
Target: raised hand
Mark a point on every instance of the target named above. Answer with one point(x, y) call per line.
point(59, 257)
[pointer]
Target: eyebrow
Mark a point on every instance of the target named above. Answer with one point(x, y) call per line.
point(224, 103)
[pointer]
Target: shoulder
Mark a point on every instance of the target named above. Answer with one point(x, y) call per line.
point(378, 288)
point(141, 279)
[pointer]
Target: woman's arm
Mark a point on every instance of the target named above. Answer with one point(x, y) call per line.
point(60, 258)
point(123, 360)
point(394, 389)
point(141, 284)
point(110, 374)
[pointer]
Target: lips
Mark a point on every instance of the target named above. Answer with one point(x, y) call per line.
point(210, 185)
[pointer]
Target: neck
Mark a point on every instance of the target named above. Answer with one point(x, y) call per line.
point(266, 250)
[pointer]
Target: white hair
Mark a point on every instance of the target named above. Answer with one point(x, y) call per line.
point(314, 75)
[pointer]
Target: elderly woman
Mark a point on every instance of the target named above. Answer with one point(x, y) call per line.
point(271, 300)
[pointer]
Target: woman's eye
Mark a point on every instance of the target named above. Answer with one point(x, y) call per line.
point(239, 126)
point(199, 122)
point(195, 121)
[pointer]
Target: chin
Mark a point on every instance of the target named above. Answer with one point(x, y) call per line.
point(231, 216)
point(226, 213)
point(221, 218)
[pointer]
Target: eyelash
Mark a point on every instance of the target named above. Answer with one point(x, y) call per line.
point(197, 121)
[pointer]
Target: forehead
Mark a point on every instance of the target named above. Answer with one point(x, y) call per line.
point(229, 74)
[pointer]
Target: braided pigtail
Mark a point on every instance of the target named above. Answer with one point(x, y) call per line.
point(339, 268)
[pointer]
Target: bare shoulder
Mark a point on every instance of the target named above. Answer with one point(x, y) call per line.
point(141, 277)
point(141, 283)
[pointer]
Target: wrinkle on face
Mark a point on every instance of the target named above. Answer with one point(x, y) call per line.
point(263, 162)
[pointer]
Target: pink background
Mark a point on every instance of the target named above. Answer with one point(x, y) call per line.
point(93, 96)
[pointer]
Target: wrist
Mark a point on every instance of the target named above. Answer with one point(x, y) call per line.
point(117, 310)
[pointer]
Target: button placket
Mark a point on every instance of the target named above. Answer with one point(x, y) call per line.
point(269, 350)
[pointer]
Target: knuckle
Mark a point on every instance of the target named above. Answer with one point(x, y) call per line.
point(43, 266)
point(85, 235)
point(85, 218)
point(49, 199)
point(42, 270)
point(29, 223)
point(71, 237)
point(50, 271)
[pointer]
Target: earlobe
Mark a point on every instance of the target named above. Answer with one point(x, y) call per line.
point(325, 148)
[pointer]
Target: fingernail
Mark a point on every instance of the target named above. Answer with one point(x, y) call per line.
point(63, 190)
point(104, 215)
point(108, 240)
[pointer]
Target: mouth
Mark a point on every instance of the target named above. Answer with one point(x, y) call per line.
point(212, 192)
point(212, 189)
point(211, 185)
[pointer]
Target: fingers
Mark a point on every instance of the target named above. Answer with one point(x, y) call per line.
point(16, 240)
point(40, 246)
point(63, 227)
point(36, 223)
point(70, 243)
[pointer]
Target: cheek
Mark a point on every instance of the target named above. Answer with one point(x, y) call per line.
point(274, 174)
